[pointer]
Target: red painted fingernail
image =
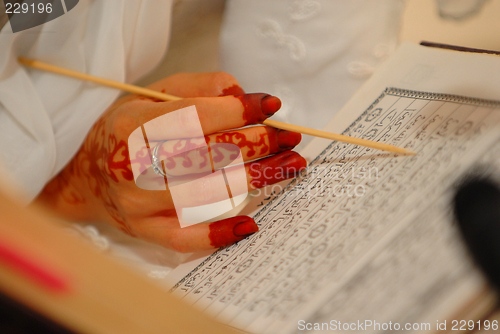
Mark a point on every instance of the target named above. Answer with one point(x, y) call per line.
point(228, 231)
point(288, 139)
point(270, 104)
point(293, 162)
point(245, 228)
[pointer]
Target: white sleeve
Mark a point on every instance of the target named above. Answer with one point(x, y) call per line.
point(44, 118)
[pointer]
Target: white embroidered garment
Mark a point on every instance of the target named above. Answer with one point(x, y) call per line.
point(313, 54)
point(44, 118)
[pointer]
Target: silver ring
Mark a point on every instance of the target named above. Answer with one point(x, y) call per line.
point(157, 167)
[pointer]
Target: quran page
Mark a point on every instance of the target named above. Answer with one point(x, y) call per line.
point(364, 235)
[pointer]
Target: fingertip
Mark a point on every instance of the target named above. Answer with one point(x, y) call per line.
point(288, 139)
point(258, 106)
point(270, 104)
point(302, 163)
point(228, 231)
point(292, 161)
point(245, 228)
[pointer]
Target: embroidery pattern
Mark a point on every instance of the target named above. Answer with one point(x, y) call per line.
point(304, 9)
point(272, 30)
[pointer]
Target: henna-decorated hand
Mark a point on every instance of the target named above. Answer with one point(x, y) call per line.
point(98, 184)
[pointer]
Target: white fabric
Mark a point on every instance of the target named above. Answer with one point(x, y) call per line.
point(44, 118)
point(313, 54)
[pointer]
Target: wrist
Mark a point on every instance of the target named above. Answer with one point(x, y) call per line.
point(65, 196)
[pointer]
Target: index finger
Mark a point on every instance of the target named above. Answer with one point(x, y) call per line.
point(199, 85)
point(173, 120)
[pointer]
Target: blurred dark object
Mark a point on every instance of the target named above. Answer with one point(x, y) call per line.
point(458, 48)
point(477, 211)
point(17, 319)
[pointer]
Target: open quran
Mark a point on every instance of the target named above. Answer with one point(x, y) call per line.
point(365, 235)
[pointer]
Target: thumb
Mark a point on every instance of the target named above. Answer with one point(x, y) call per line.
point(202, 236)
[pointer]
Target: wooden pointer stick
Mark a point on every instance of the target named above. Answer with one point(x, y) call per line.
point(167, 97)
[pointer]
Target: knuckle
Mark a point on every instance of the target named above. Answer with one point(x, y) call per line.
point(204, 190)
point(200, 161)
point(221, 80)
point(174, 240)
point(125, 205)
point(194, 192)
point(123, 124)
point(180, 76)
point(189, 122)
point(255, 135)
point(178, 247)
